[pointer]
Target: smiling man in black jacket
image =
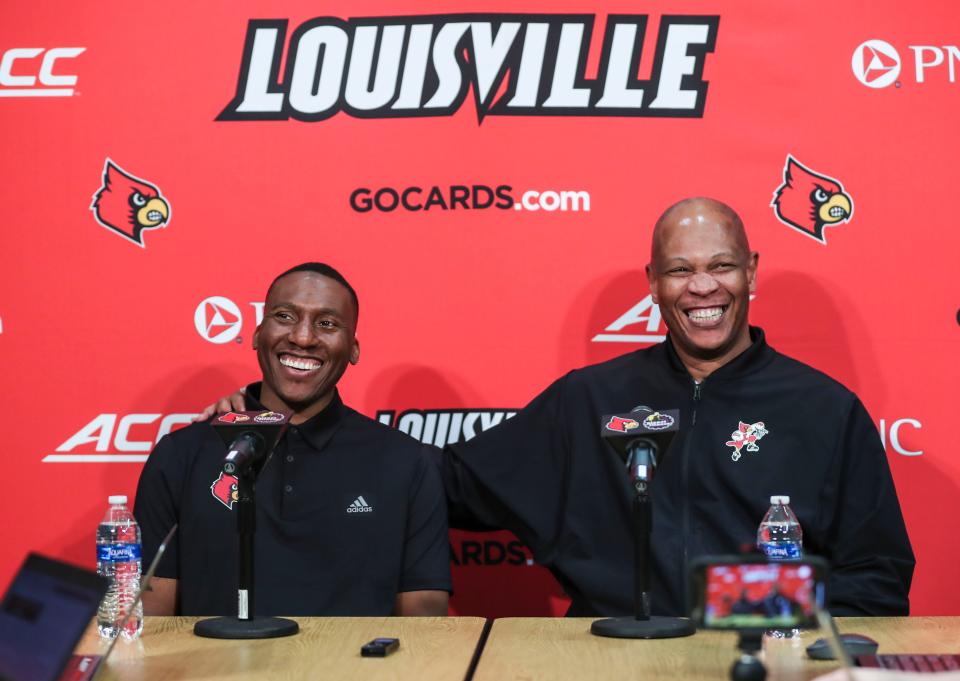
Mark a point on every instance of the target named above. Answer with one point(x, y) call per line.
point(754, 423)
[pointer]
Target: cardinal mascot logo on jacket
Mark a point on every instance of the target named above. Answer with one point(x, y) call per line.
point(127, 205)
point(809, 201)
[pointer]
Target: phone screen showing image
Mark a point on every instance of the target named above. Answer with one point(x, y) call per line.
point(761, 596)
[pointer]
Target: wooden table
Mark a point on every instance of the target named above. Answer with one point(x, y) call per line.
point(526, 649)
point(325, 648)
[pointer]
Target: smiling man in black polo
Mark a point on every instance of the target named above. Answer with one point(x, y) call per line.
point(351, 517)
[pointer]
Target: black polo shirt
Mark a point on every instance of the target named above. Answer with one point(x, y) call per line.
point(349, 513)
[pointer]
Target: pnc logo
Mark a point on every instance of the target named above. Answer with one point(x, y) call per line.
point(876, 63)
point(22, 67)
point(218, 320)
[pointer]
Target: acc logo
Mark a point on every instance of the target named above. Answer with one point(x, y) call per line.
point(224, 490)
point(24, 85)
point(621, 425)
point(876, 63)
point(233, 417)
point(128, 205)
point(746, 437)
point(657, 421)
point(125, 439)
point(647, 312)
point(809, 201)
point(269, 417)
point(217, 319)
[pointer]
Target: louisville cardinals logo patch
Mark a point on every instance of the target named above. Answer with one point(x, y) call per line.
point(745, 438)
point(809, 201)
point(621, 425)
point(224, 490)
point(127, 205)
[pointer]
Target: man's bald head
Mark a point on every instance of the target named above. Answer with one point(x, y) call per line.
point(696, 211)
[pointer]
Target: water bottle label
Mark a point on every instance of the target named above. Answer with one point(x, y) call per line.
point(778, 551)
point(118, 553)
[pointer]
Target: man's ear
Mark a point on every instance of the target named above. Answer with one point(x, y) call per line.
point(752, 271)
point(256, 337)
point(355, 351)
point(652, 280)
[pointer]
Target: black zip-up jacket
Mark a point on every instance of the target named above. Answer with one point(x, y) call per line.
point(548, 477)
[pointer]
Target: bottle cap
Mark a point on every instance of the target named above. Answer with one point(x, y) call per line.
point(115, 499)
point(779, 499)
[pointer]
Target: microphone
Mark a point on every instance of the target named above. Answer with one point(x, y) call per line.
point(249, 437)
point(639, 437)
point(244, 451)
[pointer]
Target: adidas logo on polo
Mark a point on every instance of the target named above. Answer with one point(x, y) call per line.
point(359, 505)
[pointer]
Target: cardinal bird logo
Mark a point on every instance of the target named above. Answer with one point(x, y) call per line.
point(809, 201)
point(622, 425)
point(224, 490)
point(128, 205)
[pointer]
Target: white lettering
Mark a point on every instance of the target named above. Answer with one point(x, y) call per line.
point(258, 312)
point(531, 65)
point(171, 420)
point(412, 425)
point(549, 201)
point(384, 86)
point(575, 200)
point(256, 96)
point(122, 441)
point(921, 64)
point(563, 94)
point(445, 63)
point(677, 63)
point(954, 53)
point(47, 77)
point(894, 435)
point(415, 68)
point(644, 311)
point(309, 93)
point(99, 430)
point(617, 94)
point(6, 66)
point(490, 53)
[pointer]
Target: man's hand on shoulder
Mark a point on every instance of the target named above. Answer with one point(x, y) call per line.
point(421, 604)
point(233, 402)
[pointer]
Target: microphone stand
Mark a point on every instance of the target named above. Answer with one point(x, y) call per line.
point(641, 464)
point(246, 625)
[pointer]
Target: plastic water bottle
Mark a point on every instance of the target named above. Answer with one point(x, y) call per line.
point(118, 558)
point(780, 537)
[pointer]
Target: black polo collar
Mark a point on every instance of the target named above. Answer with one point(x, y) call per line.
point(317, 430)
point(748, 361)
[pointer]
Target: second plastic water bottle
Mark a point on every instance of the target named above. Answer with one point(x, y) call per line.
point(780, 536)
point(118, 558)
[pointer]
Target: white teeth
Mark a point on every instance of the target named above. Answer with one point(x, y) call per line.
point(707, 314)
point(302, 364)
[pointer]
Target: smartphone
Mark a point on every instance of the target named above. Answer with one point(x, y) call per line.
point(379, 647)
point(751, 592)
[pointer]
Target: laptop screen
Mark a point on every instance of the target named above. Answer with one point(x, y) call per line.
point(42, 616)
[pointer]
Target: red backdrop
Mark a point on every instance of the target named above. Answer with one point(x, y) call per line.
point(107, 336)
